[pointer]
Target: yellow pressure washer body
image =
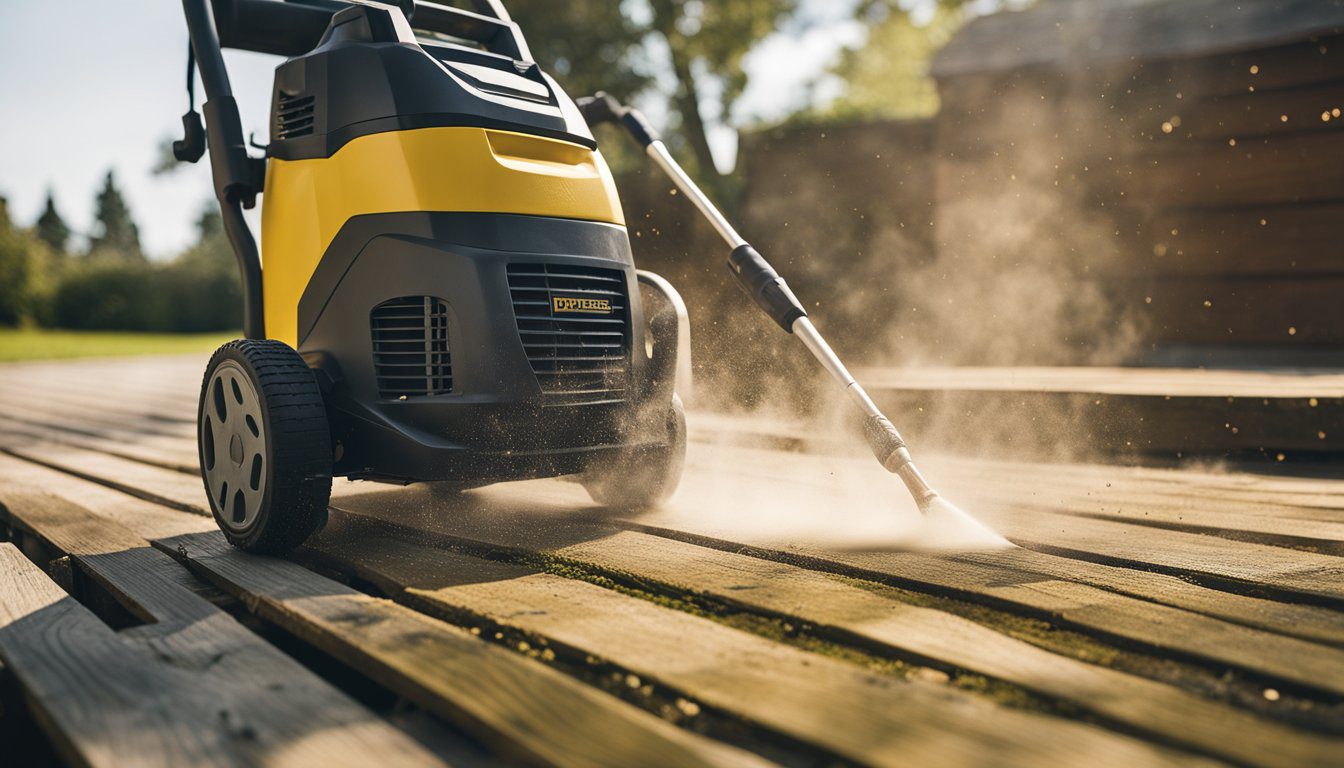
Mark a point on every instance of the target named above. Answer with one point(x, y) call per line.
point(445, 289)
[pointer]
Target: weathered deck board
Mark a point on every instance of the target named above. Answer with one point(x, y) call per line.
point(93, 418)
point(240, 691)
point(111, 442)
point(865, 619)
point(1228, 571)
point(519, 708)
point(832, 705)
point(1294, 576)
point(101, 701)
point(995, 578)
point(1288, 574)
point(1299, 622)
point(1157, 628)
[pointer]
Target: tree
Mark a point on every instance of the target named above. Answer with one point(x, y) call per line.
point(697, 46)
point(51, 228)
point(115, 230)
point(887, 77)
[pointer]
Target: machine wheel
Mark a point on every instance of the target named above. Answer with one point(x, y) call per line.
point(644, 477)
point(265, 447)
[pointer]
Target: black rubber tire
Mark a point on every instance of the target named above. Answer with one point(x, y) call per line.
point(645, 477)
point(297, 439)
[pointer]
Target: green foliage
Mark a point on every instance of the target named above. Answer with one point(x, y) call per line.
point(888, 77)
point(198, 291)
point(587, 45)
point(51, 228)
point(626, 48)
point(110, 294)
point(25, 269)
point(115, 231)
point(140, 296)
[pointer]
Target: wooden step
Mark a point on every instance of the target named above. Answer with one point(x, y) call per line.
point(1086, 411)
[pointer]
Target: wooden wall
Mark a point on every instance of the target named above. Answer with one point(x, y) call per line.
point(1198, 200)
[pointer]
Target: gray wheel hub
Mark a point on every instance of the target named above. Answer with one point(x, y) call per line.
point(233, 446)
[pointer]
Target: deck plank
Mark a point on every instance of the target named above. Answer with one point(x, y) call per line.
point(254, 690)
point(1010, 579)
point(1230, 571)
point(1278, 573)
point(866, 619)
point(519, 708)
point(1281, 573)
point(991, 579)
point(830, 704)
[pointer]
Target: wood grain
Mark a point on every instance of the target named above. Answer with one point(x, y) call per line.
point(231, 690)
point(863, 618)
point(106, 701)
point(832, 705)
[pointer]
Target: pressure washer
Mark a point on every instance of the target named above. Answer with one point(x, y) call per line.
point(448, 292)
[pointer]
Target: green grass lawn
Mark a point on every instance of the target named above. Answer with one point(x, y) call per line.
point(39, 344)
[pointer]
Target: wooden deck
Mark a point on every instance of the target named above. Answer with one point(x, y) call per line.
point(1147, 617)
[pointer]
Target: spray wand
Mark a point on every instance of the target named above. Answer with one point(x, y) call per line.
point(755, 275)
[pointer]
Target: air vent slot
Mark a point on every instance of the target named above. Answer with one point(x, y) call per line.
point(579, 346)
point(293, 116)
point(410, 347)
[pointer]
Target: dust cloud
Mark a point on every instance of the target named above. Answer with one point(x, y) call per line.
point(809, 500)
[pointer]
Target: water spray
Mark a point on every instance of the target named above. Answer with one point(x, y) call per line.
point(954, 526)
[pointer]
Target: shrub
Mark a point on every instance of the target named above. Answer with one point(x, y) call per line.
point(112, 295)
point(25, 269)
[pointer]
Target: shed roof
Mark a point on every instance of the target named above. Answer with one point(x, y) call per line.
point(1062, 32)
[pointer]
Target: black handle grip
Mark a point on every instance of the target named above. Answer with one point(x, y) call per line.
point(191, 147)
point(602, 107)
point(764, 285)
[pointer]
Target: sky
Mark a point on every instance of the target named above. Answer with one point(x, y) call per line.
point(92, 85)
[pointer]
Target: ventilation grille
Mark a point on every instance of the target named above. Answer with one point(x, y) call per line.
point(410, 347)
point(293, 116)
point(578, 356)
